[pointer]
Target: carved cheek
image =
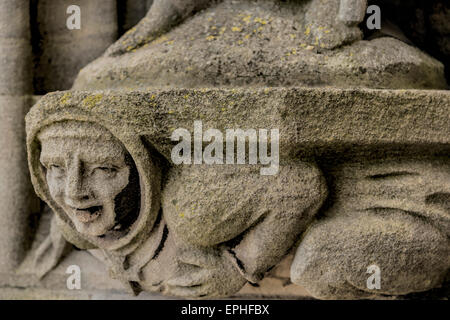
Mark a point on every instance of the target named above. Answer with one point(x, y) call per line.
point(56, 185)
point(108, 188)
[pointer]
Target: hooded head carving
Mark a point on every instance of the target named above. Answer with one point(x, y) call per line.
point(90, 175)
point(100, 180)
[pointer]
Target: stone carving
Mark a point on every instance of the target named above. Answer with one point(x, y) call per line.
point(165, 14)
point(393, 211)
point(194, 247)
point(267, 43)
point(363, 174)
point(393, 214)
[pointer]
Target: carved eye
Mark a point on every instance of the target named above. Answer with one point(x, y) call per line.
point(107, 170)
point(56, 169)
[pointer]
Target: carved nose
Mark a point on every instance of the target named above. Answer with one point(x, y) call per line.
point(76, 189)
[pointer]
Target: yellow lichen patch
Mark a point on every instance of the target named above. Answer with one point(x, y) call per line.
point(160, 40)
point(65, 98)
point(181, 215)
point(91, 101)
point(222, 30)
point(259, 20)
point(170, 42)
point(307, 31)
point(210, 38)
point(170, 112)
point(247, 36)
point(152, 97)
point(303, 45)
point(240, 42)
point(236, 29)
point(293, 36)
point(213, 28)
point(186, 96)
point(247, 19)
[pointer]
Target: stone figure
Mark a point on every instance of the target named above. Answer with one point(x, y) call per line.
point(166, 14)
point(99, 155)
point(391, 213)
point(90, 177)
point(104, 186)
point(261, 43)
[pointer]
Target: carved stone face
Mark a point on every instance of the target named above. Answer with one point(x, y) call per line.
point(84, 176)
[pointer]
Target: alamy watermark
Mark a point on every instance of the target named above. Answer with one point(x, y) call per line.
point(374, 281)
point(73, 22)
point(213, 153)
point(73, 282)
point(374, 20)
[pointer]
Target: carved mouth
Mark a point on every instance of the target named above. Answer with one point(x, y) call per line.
point(89, 214)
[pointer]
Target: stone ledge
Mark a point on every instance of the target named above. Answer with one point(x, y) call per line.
point(311, 120)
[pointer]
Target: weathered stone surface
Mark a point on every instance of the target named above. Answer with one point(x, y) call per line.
point(352, 12)
point(392, 213)
point(222, 267)
point(263, 43)
point(310, 120)
point(359, 180)
point(268, 214)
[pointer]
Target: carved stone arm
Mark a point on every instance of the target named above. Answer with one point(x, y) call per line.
point(163, 15)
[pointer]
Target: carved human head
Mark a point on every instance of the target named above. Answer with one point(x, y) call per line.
point(88, 172)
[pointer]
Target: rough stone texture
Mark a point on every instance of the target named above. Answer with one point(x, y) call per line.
point(352, 12)
point(392, 213)
point(363, 171)
point(200, 231)
point(263, 43)
point(171, 271)
point(311, 121)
